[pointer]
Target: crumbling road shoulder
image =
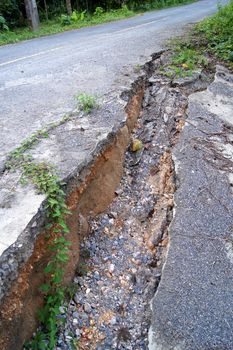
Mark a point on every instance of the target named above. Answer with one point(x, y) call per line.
point(192, 308)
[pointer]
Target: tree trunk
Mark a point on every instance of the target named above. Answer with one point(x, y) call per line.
point(87, 7)
point(32, 14)
point(46, 10)
point(69, 7)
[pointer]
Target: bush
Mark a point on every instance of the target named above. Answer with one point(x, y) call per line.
point(65, 20)
point(3, 25)
point(12, 11)
point(83, 15)
point(218, 30)
point(75, 16)
point(98, 11)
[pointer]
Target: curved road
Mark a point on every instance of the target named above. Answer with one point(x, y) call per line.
point(39, 78)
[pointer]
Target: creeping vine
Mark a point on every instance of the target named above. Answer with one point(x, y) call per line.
point(43, 177)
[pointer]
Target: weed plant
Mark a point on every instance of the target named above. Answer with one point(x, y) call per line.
point(185, 59)
point(86, 102)
point(218, 32)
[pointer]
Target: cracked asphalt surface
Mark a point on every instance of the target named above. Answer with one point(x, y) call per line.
point(40, 77)
point(192, 308)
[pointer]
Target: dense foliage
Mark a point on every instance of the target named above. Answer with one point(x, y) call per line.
point(14, 10)
point(218, 31)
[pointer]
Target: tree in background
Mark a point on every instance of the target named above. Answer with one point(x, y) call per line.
point(16, 12)
point(32, 14)
point(69, 7)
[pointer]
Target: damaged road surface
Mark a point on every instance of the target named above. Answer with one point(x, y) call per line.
point(163, 234)
point(193, 306)
point(125, 252)
point(168, 232)
point(147, 179)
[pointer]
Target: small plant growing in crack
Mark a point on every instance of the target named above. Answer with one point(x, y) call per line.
point(17, 156)
point(137, 68)
point(86, 102)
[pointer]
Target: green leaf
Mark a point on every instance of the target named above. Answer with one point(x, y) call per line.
point(49, 268)
point(62, 257)
point(45, 288)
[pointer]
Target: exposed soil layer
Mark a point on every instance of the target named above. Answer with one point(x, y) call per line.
point(18, 315)
point(123, 257)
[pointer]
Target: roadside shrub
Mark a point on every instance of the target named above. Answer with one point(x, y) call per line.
point(3, 25)
point(83, 15)
point(75, 16)
point(65, 20)
point(11, 11)
point(218, 30)
point(98, 11)
point(125, 10)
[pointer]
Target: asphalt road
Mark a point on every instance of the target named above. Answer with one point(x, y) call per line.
point(39, 78)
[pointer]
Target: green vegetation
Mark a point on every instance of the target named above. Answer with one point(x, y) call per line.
point(46, 181)
point(43, 177)
point(185, 60)
point(61, 24)
point(86, 102)
point(137, 68)
point(213, 36)
point(3, 25)
point(17, 155)
point(218, 30)
point(53, 19)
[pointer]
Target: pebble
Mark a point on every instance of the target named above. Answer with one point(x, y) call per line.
point(68, 337)
point(75, 314)
point(96, 275)
point(87, 308)
point(77, 298)
point(78, 333)
point(113, 321)
point(112, 214)
point(111, 268)
point(62, 309)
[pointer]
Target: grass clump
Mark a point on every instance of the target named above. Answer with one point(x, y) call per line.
point(218, 31)
point(43, 177)
point(213, 36)
point(137, 68)
point(186, 59)
point(189, 58)
point(3, 24)
point(86, 102)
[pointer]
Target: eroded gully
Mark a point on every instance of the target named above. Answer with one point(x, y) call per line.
point(123, 256)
